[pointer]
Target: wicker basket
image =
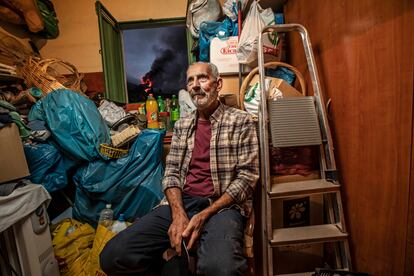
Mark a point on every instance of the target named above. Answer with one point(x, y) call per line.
point(112, 152)
point(46, 74)
point(255, 71)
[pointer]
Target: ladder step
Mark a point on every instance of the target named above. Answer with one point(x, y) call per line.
point(294, 122)
point(301, 188)
point(307, 234)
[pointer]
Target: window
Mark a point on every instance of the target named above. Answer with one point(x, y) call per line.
point(140, 57)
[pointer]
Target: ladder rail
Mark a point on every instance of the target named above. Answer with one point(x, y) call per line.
point(264, 153)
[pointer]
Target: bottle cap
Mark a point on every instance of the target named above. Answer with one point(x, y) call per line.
point(108, 206)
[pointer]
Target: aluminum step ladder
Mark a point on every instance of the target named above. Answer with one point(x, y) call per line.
point(299, 121)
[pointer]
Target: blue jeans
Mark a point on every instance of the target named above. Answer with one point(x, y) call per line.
point(138, 249)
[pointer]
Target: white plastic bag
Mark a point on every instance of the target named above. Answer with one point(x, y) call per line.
point(199, 11)
point(253, 96)
point(186, 104)
point(255, 21)
point(111, 112)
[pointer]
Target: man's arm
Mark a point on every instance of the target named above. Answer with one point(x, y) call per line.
point(173, 190)
point(179, 217)
point(247, 167)
point(195, 226)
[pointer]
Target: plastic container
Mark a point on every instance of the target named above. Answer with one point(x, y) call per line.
point(119, 225)
point(106, 217)
point(174, 103)
point(161, 105)
point(151, 106)
point(175, 110)
point(164, 120)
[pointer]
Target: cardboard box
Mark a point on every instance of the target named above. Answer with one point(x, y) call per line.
point(293, 212)
point(279, 88)
point(230, 85)
point(12, 159)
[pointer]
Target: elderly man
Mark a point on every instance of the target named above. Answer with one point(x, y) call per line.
point(210, 175)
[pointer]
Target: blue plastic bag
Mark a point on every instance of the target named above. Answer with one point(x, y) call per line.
point(212, 29)
point(132, 184)
point(76, 125)
point(47, 166)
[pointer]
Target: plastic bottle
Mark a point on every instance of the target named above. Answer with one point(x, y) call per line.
point(152, 112)
point(161, 105)
point(175, 110)
point(106, 217)
point(119, 225)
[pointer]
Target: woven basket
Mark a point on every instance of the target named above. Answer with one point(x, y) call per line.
point(272, 64)
point(46, 74)
point(112, 152)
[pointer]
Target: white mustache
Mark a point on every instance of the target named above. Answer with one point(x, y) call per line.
point(200, 92)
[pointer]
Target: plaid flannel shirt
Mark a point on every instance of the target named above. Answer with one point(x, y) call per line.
point(234, 155)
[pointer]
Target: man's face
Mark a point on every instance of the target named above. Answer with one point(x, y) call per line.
point(202, 86)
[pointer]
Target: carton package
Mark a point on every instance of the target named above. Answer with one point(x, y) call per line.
point(279, 88)
point(223, 54)
point(12, 159)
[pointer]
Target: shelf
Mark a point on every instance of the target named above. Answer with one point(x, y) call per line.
point(301, 188)
point(10, 79)
point(307, 235)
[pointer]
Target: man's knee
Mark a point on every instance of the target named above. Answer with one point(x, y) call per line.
point(222, 265)
point(108, 258)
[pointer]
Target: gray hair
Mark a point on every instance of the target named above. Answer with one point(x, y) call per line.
point(213, 68)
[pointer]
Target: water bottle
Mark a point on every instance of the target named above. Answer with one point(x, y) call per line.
point(119, 225)
point(106, 217)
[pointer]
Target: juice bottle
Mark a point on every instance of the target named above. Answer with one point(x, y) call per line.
point(152, 112)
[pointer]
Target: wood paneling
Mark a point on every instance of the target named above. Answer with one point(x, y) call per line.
point(364, 52)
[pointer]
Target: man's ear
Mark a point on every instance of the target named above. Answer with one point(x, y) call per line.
point(219, 84)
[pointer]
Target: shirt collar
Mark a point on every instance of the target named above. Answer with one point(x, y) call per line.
point(216, 114)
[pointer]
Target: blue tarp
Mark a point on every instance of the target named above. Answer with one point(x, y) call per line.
point(132, 184)
point(212, 29)
point(76, 125)
point(48, 166)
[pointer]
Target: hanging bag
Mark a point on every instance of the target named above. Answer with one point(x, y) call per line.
point(255, 21)
point(199, 11)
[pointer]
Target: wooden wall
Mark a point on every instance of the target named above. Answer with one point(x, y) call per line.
point(78, 41)
point(364, 52)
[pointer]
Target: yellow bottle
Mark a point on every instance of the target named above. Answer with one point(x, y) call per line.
point(152, 112)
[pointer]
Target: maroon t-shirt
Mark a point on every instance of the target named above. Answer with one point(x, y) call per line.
point(198, 181)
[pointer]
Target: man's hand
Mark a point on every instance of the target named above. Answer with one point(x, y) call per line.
point(179, 218)
point(177, 227)
point(194, 228)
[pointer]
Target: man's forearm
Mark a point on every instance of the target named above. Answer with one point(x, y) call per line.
point(222, 202)
point(174, 197)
